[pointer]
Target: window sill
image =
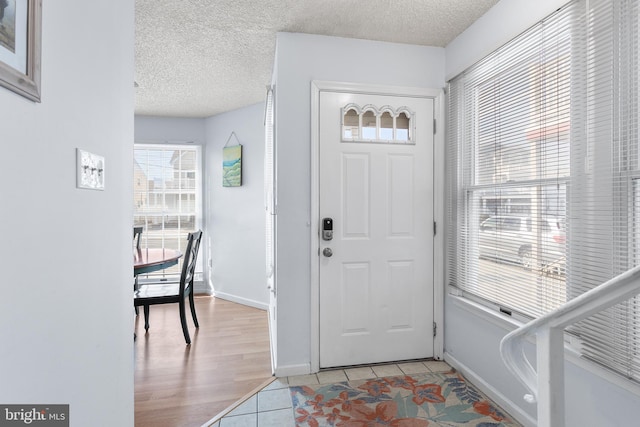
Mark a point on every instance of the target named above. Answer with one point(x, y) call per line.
point(490, 314)
point(508, 324)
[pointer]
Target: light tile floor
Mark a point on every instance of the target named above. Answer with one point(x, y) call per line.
point(271, 406)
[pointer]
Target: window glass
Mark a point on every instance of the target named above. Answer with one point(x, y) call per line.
point(166, 196)
point(490, 224)
point(511, 224)
point(402, 127)
point(369, 125)
point(351, 125)
point(376, 124)
point(386, 126)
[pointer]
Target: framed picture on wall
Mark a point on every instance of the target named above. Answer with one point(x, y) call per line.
point(20, 39)
point(232, 166)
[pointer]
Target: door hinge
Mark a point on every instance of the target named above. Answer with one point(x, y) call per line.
point(434, 126)
point(434, 228)
point(435, 328)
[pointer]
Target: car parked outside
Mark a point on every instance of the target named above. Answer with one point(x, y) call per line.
point(511, 238)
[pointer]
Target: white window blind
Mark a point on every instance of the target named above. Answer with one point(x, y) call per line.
point(269, 189)
point(167, 197)
point(543, 183)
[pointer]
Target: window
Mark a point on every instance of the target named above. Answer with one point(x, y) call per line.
point(351, 125)
point(514, 167)
point(167, 196)
point(402, 127)
point(379, 125)
point(543, 165)
point(386, 126)
point(369, 125)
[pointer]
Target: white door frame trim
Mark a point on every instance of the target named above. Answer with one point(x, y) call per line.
point(438, 203)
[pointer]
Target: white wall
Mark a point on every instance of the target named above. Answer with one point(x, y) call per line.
point(501, 23)
point(235, 215)
point(471, 337)
point(66, 318)
point(300, 59)
point(169, 130)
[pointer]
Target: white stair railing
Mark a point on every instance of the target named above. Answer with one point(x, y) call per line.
point(546, 384)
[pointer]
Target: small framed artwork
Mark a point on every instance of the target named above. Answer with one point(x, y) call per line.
point(89, 170)
point(20, 38)
point(232, 166)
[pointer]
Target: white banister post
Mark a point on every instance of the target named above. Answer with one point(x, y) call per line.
point(550, 355)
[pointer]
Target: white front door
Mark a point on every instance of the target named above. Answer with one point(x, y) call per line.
point(376, 186)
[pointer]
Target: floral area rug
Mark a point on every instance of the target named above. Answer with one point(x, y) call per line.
point(419, 400)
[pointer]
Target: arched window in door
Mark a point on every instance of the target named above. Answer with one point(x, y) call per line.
point(386, 125)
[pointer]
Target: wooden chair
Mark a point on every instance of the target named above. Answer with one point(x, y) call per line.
point(137, 235)
point(168, 293)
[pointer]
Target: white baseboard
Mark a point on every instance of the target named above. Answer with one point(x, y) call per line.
point(504, 402)
point(240, 300)
point(292, 370)
point(201, 288)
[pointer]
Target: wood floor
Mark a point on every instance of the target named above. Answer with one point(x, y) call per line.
point(179, 385)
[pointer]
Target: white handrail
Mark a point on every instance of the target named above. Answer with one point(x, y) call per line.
point(546, 385)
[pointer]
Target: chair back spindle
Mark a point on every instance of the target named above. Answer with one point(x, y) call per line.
point(137, 236)
point(189, 263)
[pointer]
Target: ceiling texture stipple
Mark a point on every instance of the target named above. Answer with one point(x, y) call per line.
point(199, 58)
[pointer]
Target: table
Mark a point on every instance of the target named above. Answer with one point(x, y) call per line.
point(154, 259)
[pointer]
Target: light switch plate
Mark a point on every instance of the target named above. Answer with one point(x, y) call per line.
point(90, 170)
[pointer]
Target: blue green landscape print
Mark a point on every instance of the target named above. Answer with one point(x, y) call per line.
point(232, 166)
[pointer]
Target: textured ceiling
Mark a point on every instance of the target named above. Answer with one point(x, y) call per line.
point(198, 58)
